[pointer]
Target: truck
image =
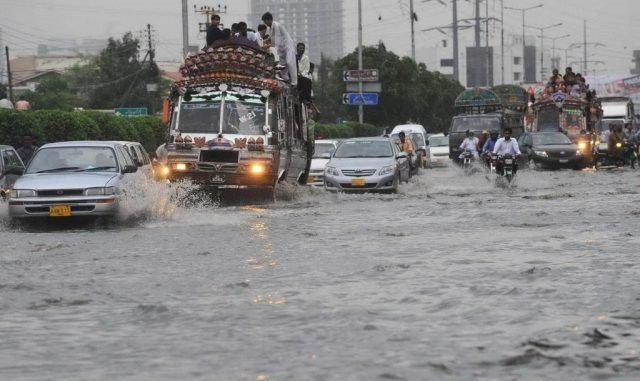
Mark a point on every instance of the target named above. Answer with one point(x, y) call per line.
point(578, 117)
point(475, 110)
point(232, 123)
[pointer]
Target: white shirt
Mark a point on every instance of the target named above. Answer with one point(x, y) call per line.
point(469, 144)
point(255, 37)
point(282, 41)
point(304, 67)
point(506, 147)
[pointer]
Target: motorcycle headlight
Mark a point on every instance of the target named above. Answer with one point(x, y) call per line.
point(618, 145)
point(101, 191)
point(387, 170)
point(582, 146)
point(332, 171)
point(20, 193)
point(541, 153)
point(578, 152)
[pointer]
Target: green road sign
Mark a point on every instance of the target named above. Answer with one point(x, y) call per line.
point(131, 112)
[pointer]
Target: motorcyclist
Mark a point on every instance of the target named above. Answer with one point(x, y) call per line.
point(469, 144)
point(483, 139)
point(406, 146)
point(507, 147)
point(487, 149)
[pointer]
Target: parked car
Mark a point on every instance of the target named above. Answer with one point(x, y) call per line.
point(438, 150)
point(366, 164)
point(321, 156)
point(551, 149)
point(11, 167)
point(72, 179)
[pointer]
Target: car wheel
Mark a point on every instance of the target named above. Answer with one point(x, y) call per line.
point(396, 183)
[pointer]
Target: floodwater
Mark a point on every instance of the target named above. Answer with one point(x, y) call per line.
point(451, 279)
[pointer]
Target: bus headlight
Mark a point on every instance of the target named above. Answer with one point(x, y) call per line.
point(257, 169)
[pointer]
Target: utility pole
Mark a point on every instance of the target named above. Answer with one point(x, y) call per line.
point(477, 31)
point(541, 29)
point(185, 27)
point(585, 47)
point(208, 13)
point(413, 38)
point(456, 74)
point(524, 47)
point(486, 42)
point(502, 40)
point(6, 52)
point(360, 107)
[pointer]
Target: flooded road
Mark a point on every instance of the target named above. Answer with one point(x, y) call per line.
point(451, 279)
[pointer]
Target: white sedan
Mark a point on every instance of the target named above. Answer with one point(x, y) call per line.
point(439, 150)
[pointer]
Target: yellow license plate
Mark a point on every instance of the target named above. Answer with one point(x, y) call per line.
point(60, 211)
point(358, 182)
point(310, 179)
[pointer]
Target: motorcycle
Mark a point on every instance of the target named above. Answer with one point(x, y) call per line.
point(628, 157)
point(504, 166)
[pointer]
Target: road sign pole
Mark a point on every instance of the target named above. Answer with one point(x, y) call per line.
point(360, 108)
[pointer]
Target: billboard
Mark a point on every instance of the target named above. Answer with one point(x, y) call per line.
point(479, 67)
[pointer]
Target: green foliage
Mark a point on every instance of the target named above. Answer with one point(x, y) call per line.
point(53, 93)
point(48, 126)
point(410, 93)
point(345, 130)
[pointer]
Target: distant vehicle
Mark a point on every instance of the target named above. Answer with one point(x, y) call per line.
point(366, 164)
point(476, 109)
point(438, 150)
point(11, 167)
point(618, 108)
point(72, 179)
point(321, 156)
point(419, 138)
point(552, 150)
point(139, 155)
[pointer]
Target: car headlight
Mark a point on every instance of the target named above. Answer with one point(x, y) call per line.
point(20, 193)
point(387, 170)
point(582, 146)
point(541, 153)
point(578, 152)
point(332, 171)
point(101, 191)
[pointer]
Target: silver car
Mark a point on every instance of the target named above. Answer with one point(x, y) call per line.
point(322, 153)
point(72, 179)
point(366, 164)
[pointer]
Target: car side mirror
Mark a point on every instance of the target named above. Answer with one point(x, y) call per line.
point(426, 143)
point(401, 155)
point(139, 163)
point(130, 169)
point(326, 155)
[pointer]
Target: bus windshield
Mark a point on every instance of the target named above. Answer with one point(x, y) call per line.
point(244, 116)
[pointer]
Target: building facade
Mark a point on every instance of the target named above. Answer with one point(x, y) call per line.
point(319, 24)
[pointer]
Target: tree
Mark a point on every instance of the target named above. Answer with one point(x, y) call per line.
point(117, 77)
point(410, 93)
point(53, 93)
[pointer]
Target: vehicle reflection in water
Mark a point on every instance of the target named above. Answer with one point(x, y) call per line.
point(264, 258)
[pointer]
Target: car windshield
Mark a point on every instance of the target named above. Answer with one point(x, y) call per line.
point(439, 141)
point(63, 159)
point(608, 122)
point(322, 148)
point(364, 148)
point(550, 139)
point(475, 124)
point(246, 116)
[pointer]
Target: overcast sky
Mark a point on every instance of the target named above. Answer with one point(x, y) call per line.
point(613, 23)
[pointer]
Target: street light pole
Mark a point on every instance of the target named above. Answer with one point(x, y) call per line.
point(541, 29)
point(360, 107)
point(524, 48)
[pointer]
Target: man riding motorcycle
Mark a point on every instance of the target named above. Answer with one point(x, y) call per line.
point(469, 145)
point(615, 142)
point(487, 149)
point(507, 147)
point(406, 146)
